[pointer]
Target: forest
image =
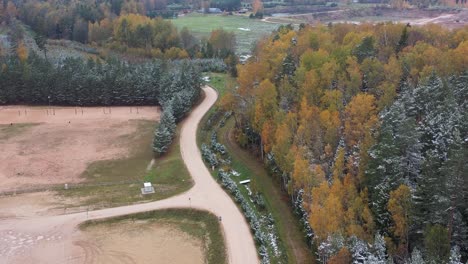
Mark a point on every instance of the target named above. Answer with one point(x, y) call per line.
point(76, 82)
point(33, 80)
point(122, 26)
point(366, 128)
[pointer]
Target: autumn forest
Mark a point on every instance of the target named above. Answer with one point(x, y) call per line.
point(366, 128)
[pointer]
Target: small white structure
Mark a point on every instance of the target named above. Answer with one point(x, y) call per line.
point(244, 182)
point(147, 188)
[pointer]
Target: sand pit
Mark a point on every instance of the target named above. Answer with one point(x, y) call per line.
point(137, 242)
point(47, 146)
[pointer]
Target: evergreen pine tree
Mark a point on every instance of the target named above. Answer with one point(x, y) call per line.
point(455, 257)
point(168, 120)
point(162, 139)
point(456, 169)
point(416, 257)
point(403, 39)
point(378, 255)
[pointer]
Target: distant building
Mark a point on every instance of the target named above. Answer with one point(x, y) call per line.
point(214, 10)
point(211, 10)
point(246, 5)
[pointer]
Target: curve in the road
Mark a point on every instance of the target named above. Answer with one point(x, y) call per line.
point(206, 194)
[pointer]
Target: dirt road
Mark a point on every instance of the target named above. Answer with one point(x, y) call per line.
point(50, 239)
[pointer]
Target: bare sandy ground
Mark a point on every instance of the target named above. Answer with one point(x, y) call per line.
point(58, 148)
point(451, 20)
point(50, 239)
point(61, 115)
point(138, 242)
point(28, 205)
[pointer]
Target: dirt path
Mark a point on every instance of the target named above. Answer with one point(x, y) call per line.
point(50, 239)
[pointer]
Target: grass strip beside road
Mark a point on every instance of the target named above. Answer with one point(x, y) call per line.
point(199, 224)
point(221, 82)
point(288, 225)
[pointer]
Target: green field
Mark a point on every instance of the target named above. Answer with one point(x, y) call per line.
point(201, 26)
point(221, 82)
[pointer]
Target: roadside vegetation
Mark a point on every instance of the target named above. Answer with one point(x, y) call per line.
point(199, 224)
point(229, 173)
point(261, 187)
point(276, 200)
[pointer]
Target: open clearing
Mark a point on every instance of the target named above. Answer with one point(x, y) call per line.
point(49, 238)
point(247, 30)
point(138, 242)
point(164, 236)
point(44, 146)
point(447, 18)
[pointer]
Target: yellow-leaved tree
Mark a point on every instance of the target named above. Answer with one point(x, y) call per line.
point(22, 52)
point(399, 206)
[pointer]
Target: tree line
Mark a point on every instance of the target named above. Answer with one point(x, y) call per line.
point(79, 82)
point(314, 103)
point(76, 82)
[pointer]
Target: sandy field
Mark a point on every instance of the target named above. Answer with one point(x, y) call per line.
point(137, 242)
point(29, 204)
point(122, 242)
point(45, 146)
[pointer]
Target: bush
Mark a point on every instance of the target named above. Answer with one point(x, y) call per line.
point(209, 156)
point(211, 65)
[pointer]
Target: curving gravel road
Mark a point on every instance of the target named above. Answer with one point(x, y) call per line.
point(50, 239)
